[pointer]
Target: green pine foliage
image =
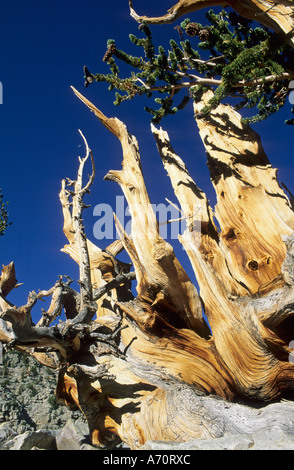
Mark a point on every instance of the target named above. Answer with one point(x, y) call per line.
point(230, 55)
point(3, 215)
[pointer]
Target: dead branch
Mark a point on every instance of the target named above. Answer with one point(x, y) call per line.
point(277, 15)
point(80, 237)
point(8, 280)
point(16, 325)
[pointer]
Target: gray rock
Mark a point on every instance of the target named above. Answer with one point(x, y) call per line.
point(27, 400)
point(74, 436)
point(6, 433)
point(43, 440)
point(274, 439)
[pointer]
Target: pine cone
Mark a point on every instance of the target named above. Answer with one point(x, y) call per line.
point(110, 51)
point(204, 34)
point(192, 29)
point(89, 77)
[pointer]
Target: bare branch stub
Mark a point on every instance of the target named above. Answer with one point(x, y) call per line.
point(7, 279)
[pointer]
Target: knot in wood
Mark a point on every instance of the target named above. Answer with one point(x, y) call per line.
point(231, 234)
point(253, 265)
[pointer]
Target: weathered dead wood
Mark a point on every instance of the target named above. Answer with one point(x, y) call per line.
point(202, 236)
point(249, 198)
point(97, 266)
point(160, 269)
point(278, 15)
point(142, 367)
point(258, 367)
point(17, 327)
point(233, 323)
point(7, 279)
point(126, 391)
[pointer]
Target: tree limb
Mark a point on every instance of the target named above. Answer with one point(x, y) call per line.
point(277, 15)
point(80, 237)
point(7, 279)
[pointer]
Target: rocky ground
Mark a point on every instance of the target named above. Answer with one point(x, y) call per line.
point(29, 415)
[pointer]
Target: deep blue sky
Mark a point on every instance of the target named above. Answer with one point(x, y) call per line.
point(43, 48)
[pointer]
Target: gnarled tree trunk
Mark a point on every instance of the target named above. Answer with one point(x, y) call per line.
point(170, 359)
point(145, 364)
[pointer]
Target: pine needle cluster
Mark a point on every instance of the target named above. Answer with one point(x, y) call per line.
point(230, 55)
point(3, 215)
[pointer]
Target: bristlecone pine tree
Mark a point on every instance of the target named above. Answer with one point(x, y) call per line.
point(135, 353)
